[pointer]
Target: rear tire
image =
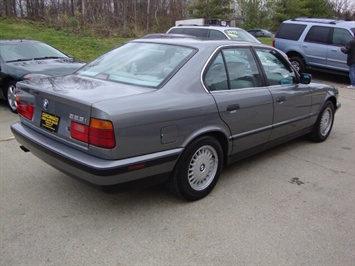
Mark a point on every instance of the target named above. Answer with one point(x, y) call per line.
point(197, 170)
point(298, 64)
point(10, 95)
point(324, 124)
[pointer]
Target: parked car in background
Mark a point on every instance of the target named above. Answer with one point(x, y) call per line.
point(25, 59)
point(173, 110)
point(259, 33)
point(315, 43)
point(214, 32)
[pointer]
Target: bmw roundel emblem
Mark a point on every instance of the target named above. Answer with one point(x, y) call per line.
point(45, 104)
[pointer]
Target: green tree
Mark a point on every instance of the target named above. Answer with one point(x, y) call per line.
point(286, 9)
point(211, 9)
point(256, 13)
point(320, 8)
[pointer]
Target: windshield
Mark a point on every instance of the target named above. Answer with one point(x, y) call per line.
point(241, 35)
point(23, 51)
point(145, 64)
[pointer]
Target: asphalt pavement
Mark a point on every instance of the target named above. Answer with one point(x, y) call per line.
point(292, 205)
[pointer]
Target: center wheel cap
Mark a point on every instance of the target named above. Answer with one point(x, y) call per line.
point(202, 167)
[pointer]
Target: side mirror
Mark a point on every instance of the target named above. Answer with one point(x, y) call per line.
point(71, 58)
point(305, 78)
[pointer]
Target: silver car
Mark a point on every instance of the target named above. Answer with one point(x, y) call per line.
point(173, 110)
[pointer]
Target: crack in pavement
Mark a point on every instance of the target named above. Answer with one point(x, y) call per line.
point(8, 139)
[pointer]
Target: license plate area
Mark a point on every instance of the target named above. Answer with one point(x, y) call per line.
point(50, 122)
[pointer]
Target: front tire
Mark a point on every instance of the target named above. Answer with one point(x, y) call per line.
point(324, 123)
point(197, 170)
point(10, 94)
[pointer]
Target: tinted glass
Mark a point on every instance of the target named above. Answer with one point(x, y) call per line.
point(341, 37)
point(145, 64)
point(215, 34)
point(28, 51)
point(277, 70)
point(176, 30)
point(290, 31)
point(318, 34)
point(195, 32)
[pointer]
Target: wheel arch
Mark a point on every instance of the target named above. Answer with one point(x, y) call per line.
point(219, 134)
point(4, 83)
point(333, 100)
point(294, 53)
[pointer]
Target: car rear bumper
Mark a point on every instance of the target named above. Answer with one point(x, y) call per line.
point(90, 168)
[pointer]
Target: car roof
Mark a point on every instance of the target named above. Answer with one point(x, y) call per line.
point(16, 41)
point(222, 28)
point(193, 41)
point(323, 21)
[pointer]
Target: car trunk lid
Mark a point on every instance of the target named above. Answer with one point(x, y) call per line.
point(59, 101)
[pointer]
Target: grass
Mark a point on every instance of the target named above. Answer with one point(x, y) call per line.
point(83, 47)
point(266, 40)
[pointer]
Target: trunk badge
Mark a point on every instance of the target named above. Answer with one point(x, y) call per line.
point(45, 104)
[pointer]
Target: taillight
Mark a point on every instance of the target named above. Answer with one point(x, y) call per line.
point(99, 133)
point(25, 109)
point(273, 43)
point(79, 131)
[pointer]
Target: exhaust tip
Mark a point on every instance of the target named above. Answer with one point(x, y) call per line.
point(24, 148)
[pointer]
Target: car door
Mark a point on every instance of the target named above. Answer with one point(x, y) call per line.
point(335, 58)
point(291, 101)
point(244, 105)
point(315, 45)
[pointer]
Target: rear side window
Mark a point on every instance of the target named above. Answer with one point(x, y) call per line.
point(233, 68)
point(290, 31)
point(195, 32)
point(318, 34)
point(341, 37)
point(176, 31)
point(215, 34)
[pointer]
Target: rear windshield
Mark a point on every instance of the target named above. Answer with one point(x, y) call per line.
point(290, 31)
point(144, 64)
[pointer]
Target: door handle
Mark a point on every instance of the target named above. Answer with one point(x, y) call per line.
point(280, 99)
point(233, 107)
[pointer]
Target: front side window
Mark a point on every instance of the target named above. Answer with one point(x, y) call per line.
point(277, 70)
point(144, 64)
point(318, 34)
point(240, 35)
point(232, 68)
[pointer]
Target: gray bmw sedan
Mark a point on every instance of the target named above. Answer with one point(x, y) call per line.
point(171, 110)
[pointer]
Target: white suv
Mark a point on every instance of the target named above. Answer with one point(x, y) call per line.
point(215, 32)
